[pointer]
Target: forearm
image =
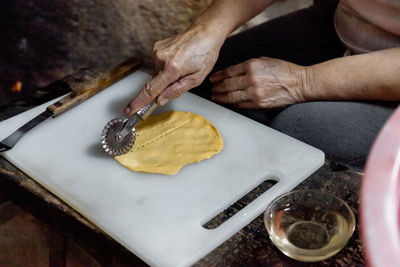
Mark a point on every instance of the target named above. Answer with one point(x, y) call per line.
point(224, 16)
point(183, 61)
point(371, 76)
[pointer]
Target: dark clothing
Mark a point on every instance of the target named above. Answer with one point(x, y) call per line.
point(344, 130)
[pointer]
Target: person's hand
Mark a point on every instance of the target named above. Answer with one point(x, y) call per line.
point(260, 83)
point(181, 63)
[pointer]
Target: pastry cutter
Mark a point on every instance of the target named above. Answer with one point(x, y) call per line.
point(119, 134)
point(83, 84)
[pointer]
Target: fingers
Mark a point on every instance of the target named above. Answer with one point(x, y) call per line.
point(232, 71)
point(150, 91)
point(248, 104)
point(231, 90)
point(232, 97)
point(177, 88)
point(158, 66)
point(230, 84)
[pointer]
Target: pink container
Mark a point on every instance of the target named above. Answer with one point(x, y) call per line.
point(380, 198)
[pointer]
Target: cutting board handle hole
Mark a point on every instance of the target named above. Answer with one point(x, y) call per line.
point(223, 216)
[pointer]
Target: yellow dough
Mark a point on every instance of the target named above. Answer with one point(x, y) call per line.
point(166, 142)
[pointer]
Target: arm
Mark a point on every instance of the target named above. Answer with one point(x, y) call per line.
point(371, 76)
point(225, 16)
point(269, 83)
point(182, 62)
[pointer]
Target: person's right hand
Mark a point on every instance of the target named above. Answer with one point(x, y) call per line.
point(181, 63)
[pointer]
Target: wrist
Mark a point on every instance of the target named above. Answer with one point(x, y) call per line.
point(217, 26)
point(330, 80)
point(210, 35)
point(308, 85)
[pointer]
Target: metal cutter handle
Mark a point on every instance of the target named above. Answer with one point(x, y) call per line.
point(142, 114)
point(145, 111)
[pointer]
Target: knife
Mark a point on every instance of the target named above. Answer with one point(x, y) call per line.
point(83, 84)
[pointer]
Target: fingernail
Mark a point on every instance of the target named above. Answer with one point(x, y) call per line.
point(127, 110)
point(163, 101)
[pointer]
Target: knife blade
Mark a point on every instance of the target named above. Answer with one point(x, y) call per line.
point(83, 84)
point(11, 140)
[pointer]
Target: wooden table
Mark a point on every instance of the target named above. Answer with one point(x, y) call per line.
point(250, 246)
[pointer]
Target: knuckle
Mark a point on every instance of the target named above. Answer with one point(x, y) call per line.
point(173, 65)
point(148, 90)
point(155, 51)
point(176, 91)
point(195, 78)
point(157, 43)
point(155, 48)
point(253, 79)
point(195, 82)
point(158, 54)
point(249, 69)
point(252, 62)
point(257, 94)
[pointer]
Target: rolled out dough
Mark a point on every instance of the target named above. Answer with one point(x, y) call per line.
point(166, 142)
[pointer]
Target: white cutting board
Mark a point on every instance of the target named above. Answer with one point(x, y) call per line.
point(157, 217)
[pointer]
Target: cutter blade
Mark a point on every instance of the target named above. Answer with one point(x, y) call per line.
point(109, 141)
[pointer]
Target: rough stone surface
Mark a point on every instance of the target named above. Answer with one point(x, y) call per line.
point(43, 40)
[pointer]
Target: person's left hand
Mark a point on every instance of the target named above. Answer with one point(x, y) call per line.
point(260, 83)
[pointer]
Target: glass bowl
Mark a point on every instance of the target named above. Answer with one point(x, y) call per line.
point(309, 225)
